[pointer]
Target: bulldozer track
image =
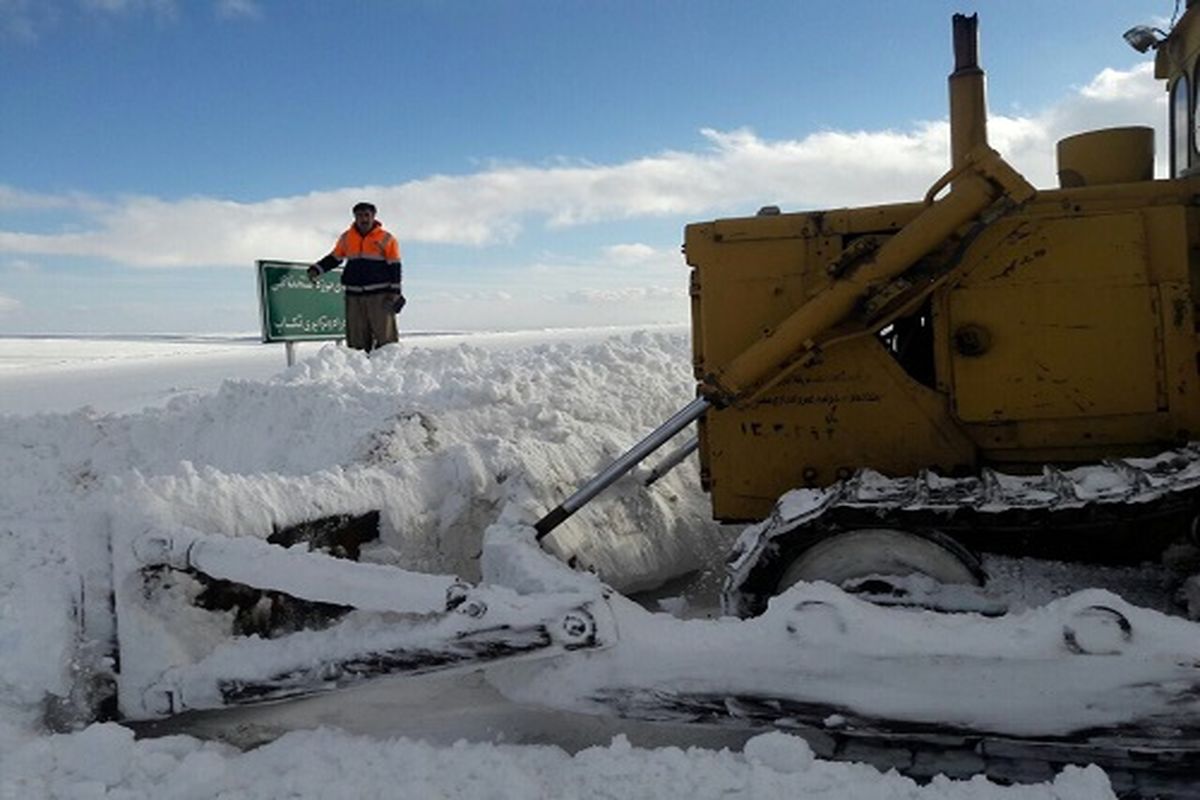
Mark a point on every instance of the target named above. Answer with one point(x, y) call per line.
point(1141, 762)
point(1120, 511)
point(1116, 512)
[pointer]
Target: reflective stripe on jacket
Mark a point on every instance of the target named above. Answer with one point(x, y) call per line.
point(372, 261)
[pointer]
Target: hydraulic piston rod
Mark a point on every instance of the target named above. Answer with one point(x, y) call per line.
point(673, 459)
point(656, 439)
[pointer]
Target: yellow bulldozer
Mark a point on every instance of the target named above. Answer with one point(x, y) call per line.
point(993, 368)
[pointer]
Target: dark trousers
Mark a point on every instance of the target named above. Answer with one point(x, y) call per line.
point(370, 320)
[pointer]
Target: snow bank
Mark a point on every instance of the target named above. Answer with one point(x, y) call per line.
point(106, 761)
point(439, 440)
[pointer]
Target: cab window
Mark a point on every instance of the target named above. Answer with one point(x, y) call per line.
point(1181, 126)
point(1194, 150)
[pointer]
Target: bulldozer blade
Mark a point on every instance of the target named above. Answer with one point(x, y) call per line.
point(1151, 760)
point(1084, 679)
point(251, 671)
point(342, 623)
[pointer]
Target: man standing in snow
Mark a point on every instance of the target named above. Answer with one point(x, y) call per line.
point(371, 279)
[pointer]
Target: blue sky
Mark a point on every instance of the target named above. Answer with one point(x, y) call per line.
point(537, 159)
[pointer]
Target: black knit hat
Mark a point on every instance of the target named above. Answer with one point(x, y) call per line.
point(364, 207)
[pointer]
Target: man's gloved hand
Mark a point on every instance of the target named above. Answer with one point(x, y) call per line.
point(314, 272)
point(398, 304)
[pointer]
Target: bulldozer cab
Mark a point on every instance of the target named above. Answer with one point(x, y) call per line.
point(1176, 62)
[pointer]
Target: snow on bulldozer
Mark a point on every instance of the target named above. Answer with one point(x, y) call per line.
point(917, 409)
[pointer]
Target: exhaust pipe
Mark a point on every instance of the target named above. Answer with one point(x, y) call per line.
point(968, 104)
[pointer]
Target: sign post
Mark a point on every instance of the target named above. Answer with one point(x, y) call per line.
point(295, 309)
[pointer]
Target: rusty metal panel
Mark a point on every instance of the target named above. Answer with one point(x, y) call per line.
point(856, 408)
point(1057, 353)
point(1071, 252)
point(1068, 323)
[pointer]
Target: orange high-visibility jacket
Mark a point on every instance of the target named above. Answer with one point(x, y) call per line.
point(372, 261)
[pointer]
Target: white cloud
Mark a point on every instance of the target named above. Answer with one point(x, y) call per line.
point(632, 253)
point(469, 296)
point(238, 9)
point(19, 265)
point(1113, 85)
point(736, 172)
point(23, 20)
point(625, 295)
point(165, 9)
point(30, 20)
point(17, 200)
point(8, 304)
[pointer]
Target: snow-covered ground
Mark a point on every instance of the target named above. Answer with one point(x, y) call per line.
point(444, 435)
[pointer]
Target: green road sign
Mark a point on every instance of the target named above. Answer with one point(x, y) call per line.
point(294, 309)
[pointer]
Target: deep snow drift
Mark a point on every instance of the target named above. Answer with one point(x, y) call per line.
point(443, 441)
